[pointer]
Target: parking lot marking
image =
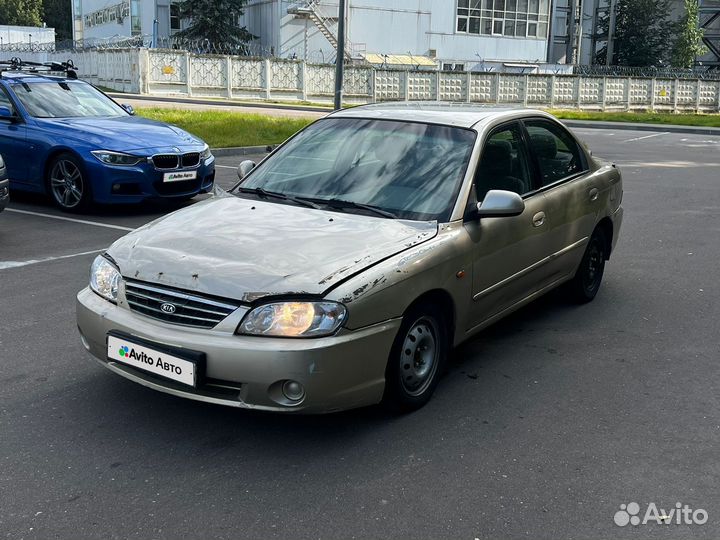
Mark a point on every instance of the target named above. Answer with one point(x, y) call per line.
point(4, 265)
point(647, 136)
point(225, 166)
point(73, 220)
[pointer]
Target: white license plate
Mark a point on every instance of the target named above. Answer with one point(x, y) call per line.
point(148, 359)
point(179, 176)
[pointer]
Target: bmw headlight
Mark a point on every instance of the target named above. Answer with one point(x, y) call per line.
point(293, 319)
point(2, 163)
point(206, 153)
point(104, 278)
point(116, 158)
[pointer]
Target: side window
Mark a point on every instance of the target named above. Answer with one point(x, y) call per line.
point(5, 100)
point(503, 163)
point(558, 154)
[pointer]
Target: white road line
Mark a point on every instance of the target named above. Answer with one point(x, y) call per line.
point(647, 136)
point(15, 264)
point(225, 166)
point(73, 220)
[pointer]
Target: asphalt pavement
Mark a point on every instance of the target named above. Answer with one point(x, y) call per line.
point(545, 425)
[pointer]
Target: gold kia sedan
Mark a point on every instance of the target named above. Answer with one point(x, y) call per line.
point(341, 270)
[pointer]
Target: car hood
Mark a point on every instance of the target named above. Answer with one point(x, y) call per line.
point(123, 133)
point(247, 249)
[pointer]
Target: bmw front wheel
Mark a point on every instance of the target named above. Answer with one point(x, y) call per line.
point(67, 184)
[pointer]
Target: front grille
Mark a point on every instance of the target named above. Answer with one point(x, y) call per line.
point(190, 309)
point(191, 159)
point(166, 161)
point(174, 161)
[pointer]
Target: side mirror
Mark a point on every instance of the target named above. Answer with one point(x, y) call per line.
point(500, 203)
point(128, 109)
point(6, 114)
point(244, 168)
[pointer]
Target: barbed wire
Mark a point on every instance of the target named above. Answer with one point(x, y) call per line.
point(199, 46)
point(699, 72)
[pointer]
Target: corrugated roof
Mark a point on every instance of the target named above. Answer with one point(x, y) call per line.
point(400, 59)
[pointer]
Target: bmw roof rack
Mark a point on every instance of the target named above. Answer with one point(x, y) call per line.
point(16, 64)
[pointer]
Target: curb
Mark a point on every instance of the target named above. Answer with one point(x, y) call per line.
point(242, 150)
point(669, 128)
point(199, 101)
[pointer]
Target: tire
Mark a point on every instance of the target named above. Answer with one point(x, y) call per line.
point(585, 285)
point(67, 183)
point(417, 359)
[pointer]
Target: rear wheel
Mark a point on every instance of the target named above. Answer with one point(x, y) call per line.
point(417, 359)
point(586, 283)
point(67, 183)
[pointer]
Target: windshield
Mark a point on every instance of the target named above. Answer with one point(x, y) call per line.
point(409, 170)
point(65, 100)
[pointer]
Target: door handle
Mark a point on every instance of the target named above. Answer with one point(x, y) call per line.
point(538, 219)
point(593, 194)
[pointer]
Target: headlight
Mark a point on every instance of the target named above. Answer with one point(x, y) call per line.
point(2, 163)
point(104, 278)
point(206, 153)
point(115, 158)
point(293, 319)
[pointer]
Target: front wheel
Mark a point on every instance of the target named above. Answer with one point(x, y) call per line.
point(417, 359)
point(67, 183)
point(586, 283)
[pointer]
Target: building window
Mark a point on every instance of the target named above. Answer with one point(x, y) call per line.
point(135, 26)
point(174, 18)
point(513, 18)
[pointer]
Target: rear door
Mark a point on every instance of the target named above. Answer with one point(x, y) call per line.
point(509, 252)
point(13, 142)
point(571, 191)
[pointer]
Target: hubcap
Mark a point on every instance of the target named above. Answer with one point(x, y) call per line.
point(419, 356)
point(66, 183)
point(593, 271)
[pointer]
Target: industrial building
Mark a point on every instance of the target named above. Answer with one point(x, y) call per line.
point(504, 35)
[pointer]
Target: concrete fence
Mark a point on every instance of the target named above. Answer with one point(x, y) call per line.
point(172, 72)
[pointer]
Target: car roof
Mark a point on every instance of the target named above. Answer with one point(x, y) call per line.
point(30, 77)
point(451, 114)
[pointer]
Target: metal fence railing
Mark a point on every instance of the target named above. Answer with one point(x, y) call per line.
point(700, 72)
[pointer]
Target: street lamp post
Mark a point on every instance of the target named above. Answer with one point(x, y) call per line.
point(340, 56)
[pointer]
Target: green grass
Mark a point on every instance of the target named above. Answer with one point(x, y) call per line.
point(223, 129)
point(703, 120)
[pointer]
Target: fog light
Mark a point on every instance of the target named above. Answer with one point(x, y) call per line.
point(293, 390)
point(116, 187)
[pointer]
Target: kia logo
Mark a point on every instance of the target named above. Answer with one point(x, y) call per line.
point(167, 308)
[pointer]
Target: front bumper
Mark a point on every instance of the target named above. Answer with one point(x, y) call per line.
point(116, 184)
point(4, 193)
point(338, 372)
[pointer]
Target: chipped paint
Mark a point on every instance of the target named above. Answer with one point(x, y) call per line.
point(274, 250)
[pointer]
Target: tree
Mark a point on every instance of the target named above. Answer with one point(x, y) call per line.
point(644, 33)
point(688, 45)
point(58, 15)
point(21, 12)
point(214, 20)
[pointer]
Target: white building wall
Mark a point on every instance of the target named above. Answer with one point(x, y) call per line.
point(26, 34)
point(387, 27)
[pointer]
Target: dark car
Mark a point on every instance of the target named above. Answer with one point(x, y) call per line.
point(71, 141)
point(4, 185)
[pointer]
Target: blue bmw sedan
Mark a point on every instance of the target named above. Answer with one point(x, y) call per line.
point(64, 137)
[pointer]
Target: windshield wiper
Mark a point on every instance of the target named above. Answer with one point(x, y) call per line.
point(341, 204)
point(265, 194)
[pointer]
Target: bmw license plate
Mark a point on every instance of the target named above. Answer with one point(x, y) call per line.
point(153, 360)
point(179, 176)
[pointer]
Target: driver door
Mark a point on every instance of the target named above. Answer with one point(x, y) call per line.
point(13, 143)
point(509, 252)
